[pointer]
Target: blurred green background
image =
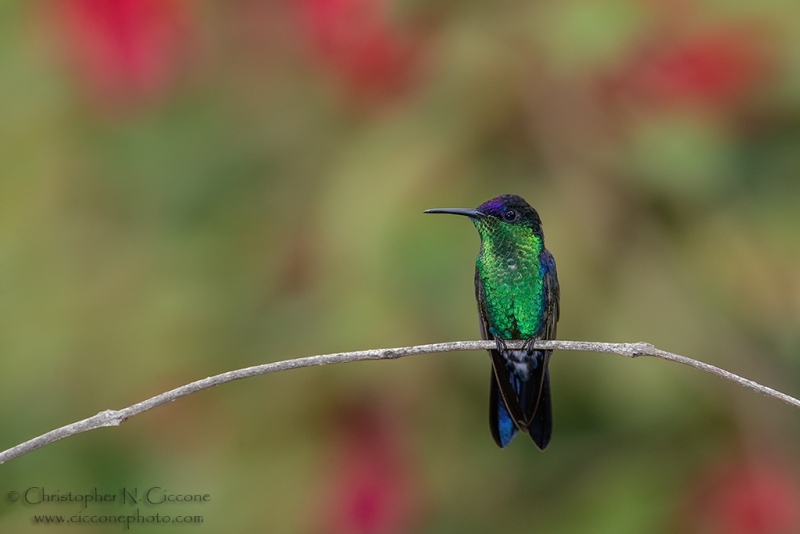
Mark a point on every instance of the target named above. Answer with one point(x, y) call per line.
point(188, 188)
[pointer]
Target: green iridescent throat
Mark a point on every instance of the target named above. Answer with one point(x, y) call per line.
point(510, 269)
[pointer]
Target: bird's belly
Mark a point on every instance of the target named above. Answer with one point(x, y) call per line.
point(518, 316)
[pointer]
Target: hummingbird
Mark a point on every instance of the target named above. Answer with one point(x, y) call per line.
point(517, 290)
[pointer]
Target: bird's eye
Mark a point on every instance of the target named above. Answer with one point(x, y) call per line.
point(510, 215)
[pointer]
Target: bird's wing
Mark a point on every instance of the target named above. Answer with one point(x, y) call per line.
point(540, 425)
point(552, 293)
point(502, 382)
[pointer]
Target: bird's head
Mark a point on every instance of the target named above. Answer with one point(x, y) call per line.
point(506, 215)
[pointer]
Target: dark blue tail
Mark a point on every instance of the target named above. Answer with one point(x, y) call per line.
point(500, 421)
point(516, 404)
point(541, 426)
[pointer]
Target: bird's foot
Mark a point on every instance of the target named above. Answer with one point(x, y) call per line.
point(529, 346)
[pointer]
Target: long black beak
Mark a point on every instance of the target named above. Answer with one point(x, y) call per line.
point(472, 214)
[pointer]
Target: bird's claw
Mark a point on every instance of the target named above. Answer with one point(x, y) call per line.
point(529, 345)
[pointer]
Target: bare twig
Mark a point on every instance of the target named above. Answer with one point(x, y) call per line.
point(117, 417)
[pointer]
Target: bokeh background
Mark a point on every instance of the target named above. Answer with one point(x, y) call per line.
point(189, 187)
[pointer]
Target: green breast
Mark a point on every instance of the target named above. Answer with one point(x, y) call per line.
point(513, 282)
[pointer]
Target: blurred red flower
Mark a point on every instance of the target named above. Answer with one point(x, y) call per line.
point(755, 498)
point(126, 49)
point(712, 68)
point(370, 490)
point(360, 44)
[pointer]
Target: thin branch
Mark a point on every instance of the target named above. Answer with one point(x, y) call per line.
point(117, 417)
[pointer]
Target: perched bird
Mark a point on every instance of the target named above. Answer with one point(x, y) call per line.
point(516, 287)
